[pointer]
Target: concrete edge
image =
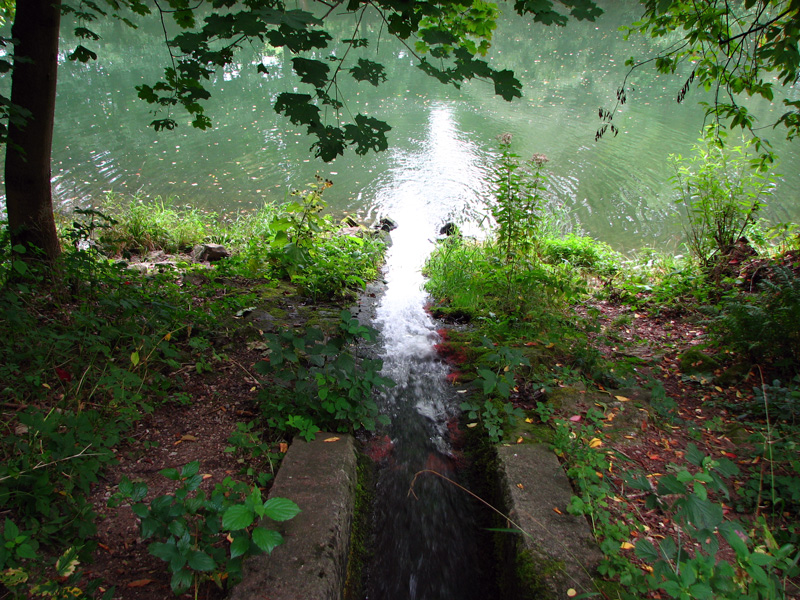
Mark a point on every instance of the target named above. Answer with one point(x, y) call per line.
point(559, 551)
point(321, 477)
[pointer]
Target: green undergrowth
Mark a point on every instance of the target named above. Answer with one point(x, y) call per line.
point(90, 346)
point(521, 302)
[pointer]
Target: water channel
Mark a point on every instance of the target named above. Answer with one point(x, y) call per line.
point(425, 544)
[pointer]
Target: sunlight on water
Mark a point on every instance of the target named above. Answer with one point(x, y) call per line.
point(424, 546)
point(421, 193)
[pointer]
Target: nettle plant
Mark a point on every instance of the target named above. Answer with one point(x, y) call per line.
point(722, 193)
point(689, 567)
point(205, 536)
point(519, 195)
point(495, 379)
point(319, 382)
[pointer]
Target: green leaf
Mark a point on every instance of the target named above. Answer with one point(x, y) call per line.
point(367, 70)
point(240, 546)
point(10, 530)
point(646, 551)
point(191, 469)
point(266, 539)
point(506, 85)
point(163, 550)
point(181, 580)
point(694, 456)
point(280, 509)
point(237, 517)
point(25, 551)
point(669, 484)
point(82, 54)
point(703, 514)
point(20, 267)
point(170, 473)
point(311, 71)
point(200, 561)
point(298, 108)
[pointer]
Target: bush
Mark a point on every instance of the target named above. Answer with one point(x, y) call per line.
point(580, 251)
point(722, 193)
point(764, 325)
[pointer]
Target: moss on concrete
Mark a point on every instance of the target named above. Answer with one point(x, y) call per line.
point(360, 530)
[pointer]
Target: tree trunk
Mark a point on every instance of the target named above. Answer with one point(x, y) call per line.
point(29, 198)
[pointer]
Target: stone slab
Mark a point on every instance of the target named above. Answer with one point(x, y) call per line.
point(311, 564)
point(534, 485)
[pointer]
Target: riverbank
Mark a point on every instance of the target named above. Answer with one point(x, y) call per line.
point(149, 397)
point(674, 418)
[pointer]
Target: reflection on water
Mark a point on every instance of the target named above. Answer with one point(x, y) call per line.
point(618, 188)
point(425, 545)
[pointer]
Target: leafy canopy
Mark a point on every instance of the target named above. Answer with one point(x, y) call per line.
point(449, 40)
point(735, 49)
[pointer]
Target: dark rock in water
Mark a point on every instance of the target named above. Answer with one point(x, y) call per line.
point(449, 229)
point(210, 252)
point(387, 224)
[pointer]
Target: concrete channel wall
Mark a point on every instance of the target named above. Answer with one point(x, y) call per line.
point(557, 551)
point(311, 564)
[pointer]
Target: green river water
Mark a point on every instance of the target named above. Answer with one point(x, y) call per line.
point(617, 188)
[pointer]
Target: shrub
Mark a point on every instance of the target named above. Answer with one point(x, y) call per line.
point(764, 325)
point(721, 193)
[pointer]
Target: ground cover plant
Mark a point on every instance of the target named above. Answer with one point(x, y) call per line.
point(669, 389)
point(144, 378)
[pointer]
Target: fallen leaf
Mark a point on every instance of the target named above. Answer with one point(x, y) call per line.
point(647, 568)
point(283, 447)
point(550, 345)
point(139, 583)
point(529, 420)
point(331, 439)
point(595, 443)
point(575, 418)
point(519, 440)
point(555, 510)
point(626, 546)
point(520, 486)
point(207, 476)
point(622, 398)
point(471, 425)
point(188, 438)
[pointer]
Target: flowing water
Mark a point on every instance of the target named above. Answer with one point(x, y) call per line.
point(425, 545)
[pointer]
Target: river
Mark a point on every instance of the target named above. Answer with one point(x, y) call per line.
point(617, 189)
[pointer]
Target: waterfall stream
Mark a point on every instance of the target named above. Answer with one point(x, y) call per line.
point(425, 546)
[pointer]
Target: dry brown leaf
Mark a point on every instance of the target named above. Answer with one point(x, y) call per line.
point(140, 583)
